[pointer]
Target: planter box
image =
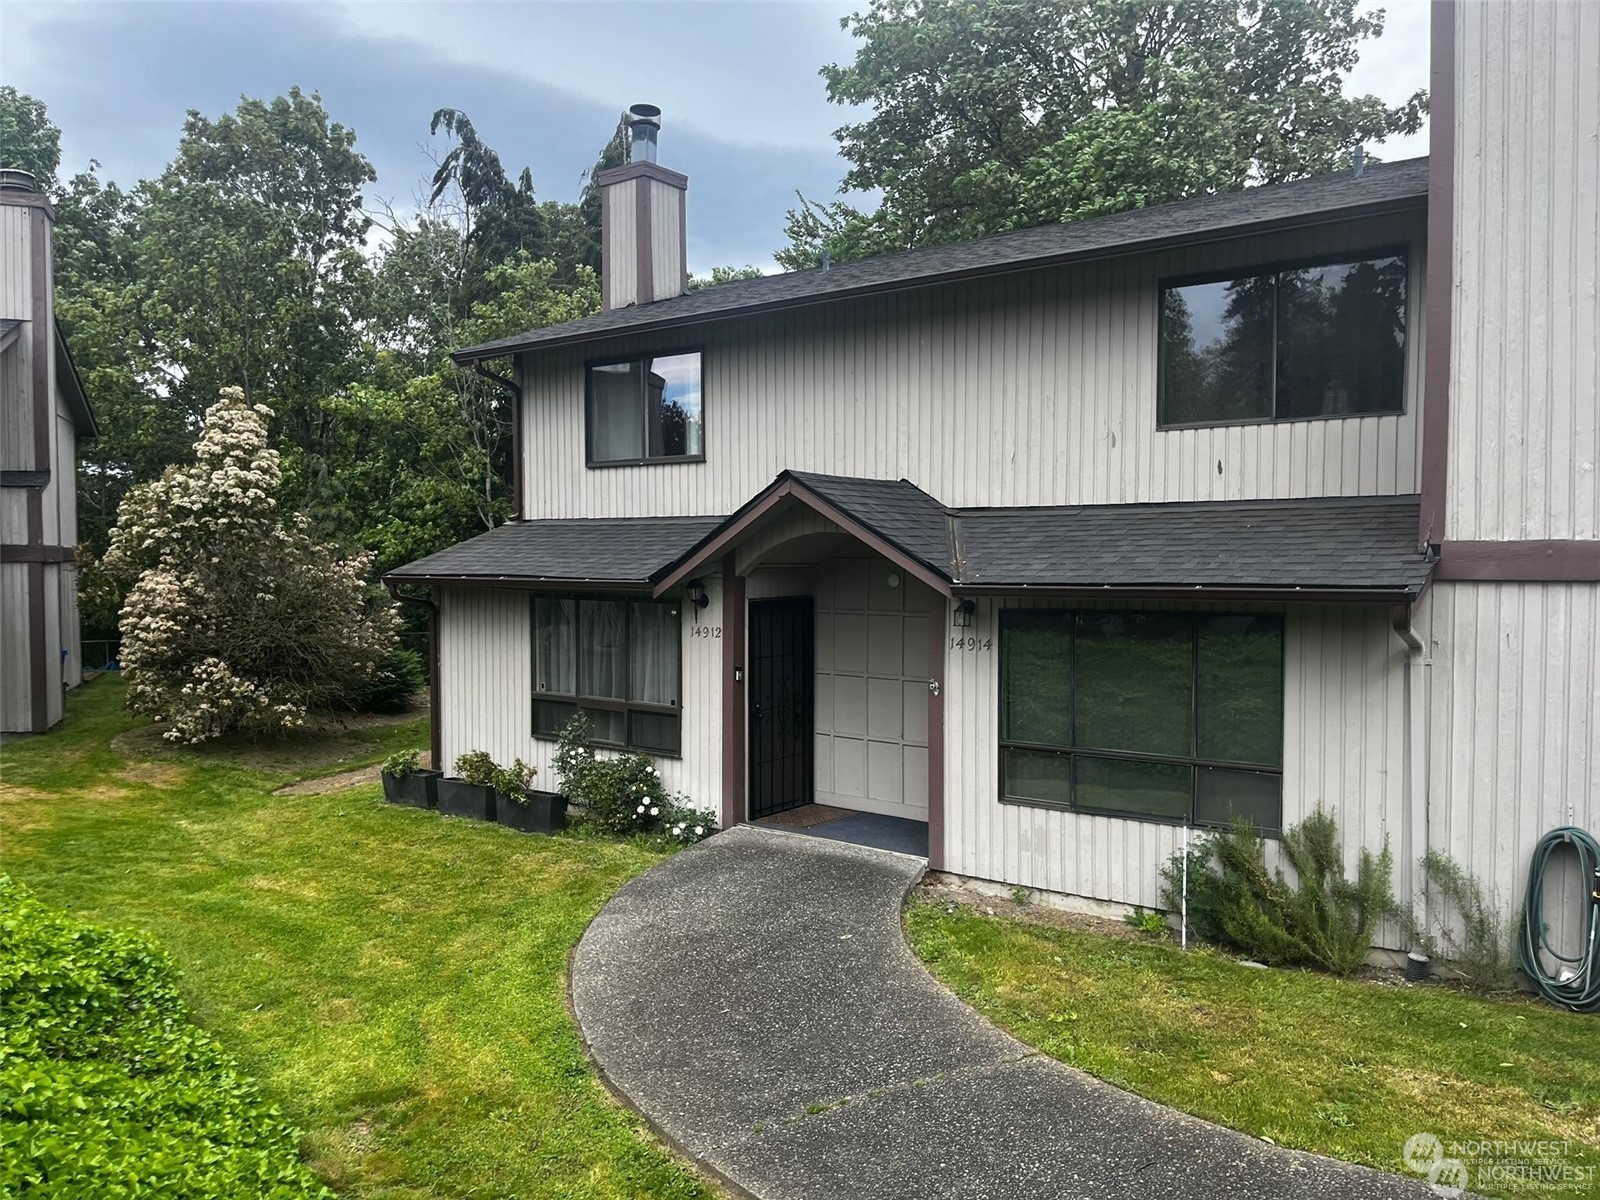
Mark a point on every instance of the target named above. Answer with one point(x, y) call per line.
point(418, 789)
point(458, 798)
point(545, 812)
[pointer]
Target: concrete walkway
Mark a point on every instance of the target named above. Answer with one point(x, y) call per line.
point(755, 999)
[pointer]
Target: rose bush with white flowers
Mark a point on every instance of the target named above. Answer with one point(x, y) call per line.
point(237, 618)
point(624, 793)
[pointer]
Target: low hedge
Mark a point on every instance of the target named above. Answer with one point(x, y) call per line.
point(107, 1090)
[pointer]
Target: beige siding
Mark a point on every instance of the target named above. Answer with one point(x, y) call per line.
point(1514, 737)
point(1524, 438)
point(13, 515)
point(666, 238)
point(61, 497)
point(16, 407)
point(1342, 752)
point(621, 255)
point(16, 680)
point(16, 264)
point(1037, 388)
point(486, 680)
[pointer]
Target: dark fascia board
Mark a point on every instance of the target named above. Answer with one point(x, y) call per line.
point(548, 339)
point(10, 332)
point(704, 553)
point(24, 479)
point(72, 383)
point(1551, 561)
point(1197, 592)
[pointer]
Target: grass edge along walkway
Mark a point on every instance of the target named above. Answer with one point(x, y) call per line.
point(1344, 1068)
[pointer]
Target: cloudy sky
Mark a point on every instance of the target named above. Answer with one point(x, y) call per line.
point(745, 115)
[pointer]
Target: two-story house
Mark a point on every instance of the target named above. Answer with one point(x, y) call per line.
point(1057, 545)
point(44, 413)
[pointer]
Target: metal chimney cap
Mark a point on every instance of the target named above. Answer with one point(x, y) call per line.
point(15, 179)
point(645, 112)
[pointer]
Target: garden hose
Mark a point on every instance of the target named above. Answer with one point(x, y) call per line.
point(1577, 982)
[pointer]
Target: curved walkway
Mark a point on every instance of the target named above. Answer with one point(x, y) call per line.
point(755, 999)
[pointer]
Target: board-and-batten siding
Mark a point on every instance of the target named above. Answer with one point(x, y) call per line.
point(1034, 388)
point(1524, 445)
point(486, 689)
point(621, 230)
point(1343, 752)
point(1514, 738)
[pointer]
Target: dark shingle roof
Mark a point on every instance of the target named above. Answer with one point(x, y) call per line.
point(1328, 543)
point(1328, 546)
point(895, 509)
point(593, 550)
point(1382, 187)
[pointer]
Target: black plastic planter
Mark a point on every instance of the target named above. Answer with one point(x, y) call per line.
point(544, 812)
point(418, 789)
point(458, 798)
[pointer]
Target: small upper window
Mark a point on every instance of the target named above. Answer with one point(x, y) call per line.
point(645, 410)
point(1312, 341)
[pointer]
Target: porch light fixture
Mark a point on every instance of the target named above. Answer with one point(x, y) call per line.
point(962, 616)
point(695, 590)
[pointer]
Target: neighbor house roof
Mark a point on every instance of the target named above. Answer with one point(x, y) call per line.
point(1380, 188)
point(603, 552)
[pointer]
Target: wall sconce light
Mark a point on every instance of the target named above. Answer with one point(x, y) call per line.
point(696, 591)
point(961, 618)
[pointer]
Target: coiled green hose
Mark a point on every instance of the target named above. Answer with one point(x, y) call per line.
point(1581, 992)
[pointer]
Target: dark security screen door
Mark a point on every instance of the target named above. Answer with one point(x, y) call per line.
point(781, 680)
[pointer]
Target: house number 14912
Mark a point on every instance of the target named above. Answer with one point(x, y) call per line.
point(706, 631)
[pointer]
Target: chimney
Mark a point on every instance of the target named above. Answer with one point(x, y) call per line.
point(643, 242)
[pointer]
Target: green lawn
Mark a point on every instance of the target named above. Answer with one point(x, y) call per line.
point(1345, 1068)
point(395, 979)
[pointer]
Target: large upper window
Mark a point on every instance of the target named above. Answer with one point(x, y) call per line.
point(643, 410)
point(617, 660)
point(1327, 340)
point(1165, 716)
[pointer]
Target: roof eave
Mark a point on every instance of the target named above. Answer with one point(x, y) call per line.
point(487, 351)
point(524, 582)
point(1264, 593)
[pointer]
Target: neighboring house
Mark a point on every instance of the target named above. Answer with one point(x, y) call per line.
point(1069, 540)
point(43, 415)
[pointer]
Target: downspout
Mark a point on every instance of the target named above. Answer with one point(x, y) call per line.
point(435, 730)
point(1418, 683)
point(512, 389)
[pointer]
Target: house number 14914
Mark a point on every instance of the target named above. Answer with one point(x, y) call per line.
point(971, 643)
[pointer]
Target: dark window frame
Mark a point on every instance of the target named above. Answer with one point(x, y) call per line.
point(599, 464)
point(580, 701)
point(1193, 761)
point(1343, 258)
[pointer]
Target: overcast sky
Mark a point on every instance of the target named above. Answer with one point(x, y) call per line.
point(744, 112)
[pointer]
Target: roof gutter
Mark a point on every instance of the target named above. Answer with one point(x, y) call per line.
point(393, 579)
point(484, 353)
point(1293, 594)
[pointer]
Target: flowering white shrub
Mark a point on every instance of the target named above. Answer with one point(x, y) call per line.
point(237, 618)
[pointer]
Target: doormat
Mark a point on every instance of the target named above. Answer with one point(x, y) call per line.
point(805, 816)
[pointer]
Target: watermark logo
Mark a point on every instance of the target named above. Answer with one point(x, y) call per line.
point(1424, 1154)
point(1532, 1166)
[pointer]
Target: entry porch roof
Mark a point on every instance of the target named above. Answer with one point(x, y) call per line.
point(1361, 549)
